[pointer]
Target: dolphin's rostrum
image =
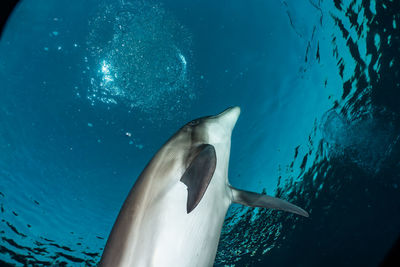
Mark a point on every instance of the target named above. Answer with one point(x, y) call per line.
point(174, 213)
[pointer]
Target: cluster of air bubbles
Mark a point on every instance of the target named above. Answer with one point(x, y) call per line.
point(366, 142)
point(138, 56)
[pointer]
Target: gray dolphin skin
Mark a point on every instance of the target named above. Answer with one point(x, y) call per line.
point(174, 213)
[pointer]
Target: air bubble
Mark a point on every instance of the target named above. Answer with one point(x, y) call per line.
point(140, 56)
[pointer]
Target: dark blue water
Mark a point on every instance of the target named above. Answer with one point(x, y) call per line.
point(91, 89)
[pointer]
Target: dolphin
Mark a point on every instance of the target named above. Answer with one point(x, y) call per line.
point(174, 213)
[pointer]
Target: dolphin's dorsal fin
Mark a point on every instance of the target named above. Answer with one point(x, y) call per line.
point(198, 175)
point(263, 201)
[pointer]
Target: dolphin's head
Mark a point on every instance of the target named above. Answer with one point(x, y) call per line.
point(215, 130)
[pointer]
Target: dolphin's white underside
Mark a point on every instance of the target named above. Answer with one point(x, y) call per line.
point(175, 238)
point(168, 236)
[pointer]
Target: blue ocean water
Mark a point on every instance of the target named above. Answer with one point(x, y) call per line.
point(91, 89)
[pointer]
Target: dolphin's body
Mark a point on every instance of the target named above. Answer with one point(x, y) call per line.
point(174, 213)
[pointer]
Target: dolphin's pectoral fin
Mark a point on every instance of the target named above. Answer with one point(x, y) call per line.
point(198, 175)
point(263, 201)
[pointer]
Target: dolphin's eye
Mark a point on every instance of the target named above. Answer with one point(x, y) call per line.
point(194, 122)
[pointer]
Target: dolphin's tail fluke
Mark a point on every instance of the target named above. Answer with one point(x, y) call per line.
point(252, 199)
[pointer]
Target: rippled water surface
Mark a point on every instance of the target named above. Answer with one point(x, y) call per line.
point(91, 89)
